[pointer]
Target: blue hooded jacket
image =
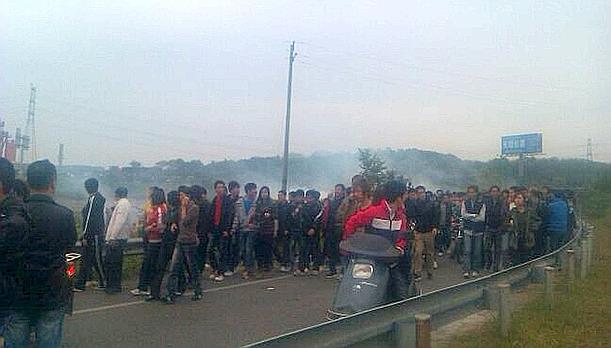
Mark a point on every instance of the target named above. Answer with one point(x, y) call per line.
point(557, 221)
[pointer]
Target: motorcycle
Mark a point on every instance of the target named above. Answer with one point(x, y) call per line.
point(365, 283)
point(71, 270)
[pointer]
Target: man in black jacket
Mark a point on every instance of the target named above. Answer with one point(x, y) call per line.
point(13, 231)
point(93, 236)
point(425, 214)
point(220, 218)
point(47, 288)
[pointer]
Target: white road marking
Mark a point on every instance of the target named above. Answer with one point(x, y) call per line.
point(133, 303)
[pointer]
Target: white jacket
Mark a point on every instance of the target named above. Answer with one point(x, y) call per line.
point(120, 221)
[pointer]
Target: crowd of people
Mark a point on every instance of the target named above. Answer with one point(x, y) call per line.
point(188, 236)
point(247, 233)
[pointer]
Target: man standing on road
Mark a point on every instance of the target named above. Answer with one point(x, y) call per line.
point(221, 212)
point(496, 236)
point(93, 236)
point(46, 290)
point(244, 227)
point(473, 211)
point(424, 214)
point(116, 240)
point(334, 231)
point(13, 232)
point(282, 234)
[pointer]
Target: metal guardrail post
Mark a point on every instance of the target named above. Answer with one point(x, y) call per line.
point(583, 265)
point(538, 273)
point(590, 250)
point(423, 330)
point(404, 334)
point(571, 268)
point(549, 286)
point(504, 311)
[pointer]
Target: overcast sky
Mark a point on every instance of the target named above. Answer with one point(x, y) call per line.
point(152, 80)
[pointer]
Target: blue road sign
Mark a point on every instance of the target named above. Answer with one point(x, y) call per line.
point(521, 144)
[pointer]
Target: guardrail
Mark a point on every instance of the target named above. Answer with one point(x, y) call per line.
point(395, 325)
point(134, 247)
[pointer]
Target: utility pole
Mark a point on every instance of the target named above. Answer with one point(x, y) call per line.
point(30, 127)
point(60, 156)
point(289, 93)
point(589, 155)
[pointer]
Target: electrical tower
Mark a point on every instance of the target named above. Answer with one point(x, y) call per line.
point(60, 155)
point(589, 155)
point(30, 128)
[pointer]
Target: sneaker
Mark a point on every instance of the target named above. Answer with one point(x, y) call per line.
point(298, 273)
point(466, 275)
point(136, 292)
point(474, 274)
point(228, 273)
point(177, 293)
point(168, 300)
point(284, 269)
point(100, 287)
point(440, 254)
point(435, 265)
point(150, 298)
point(219, 278)
point(246, 276)
point(197, 297)
point(331, 275)
point(77, 290)
point(212, 276)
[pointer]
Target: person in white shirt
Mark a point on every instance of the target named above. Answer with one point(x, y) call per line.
point(117, 234)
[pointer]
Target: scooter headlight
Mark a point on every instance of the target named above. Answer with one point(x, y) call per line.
point(362, 271)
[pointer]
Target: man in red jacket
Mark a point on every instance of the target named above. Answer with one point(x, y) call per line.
point(387, 219)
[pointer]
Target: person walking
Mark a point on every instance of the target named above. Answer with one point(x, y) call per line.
point(92, 240)
point(117, 234)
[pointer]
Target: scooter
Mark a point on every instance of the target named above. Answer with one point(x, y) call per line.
point(71, 260)
point(366, 279)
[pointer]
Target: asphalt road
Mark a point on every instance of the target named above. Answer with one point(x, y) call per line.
point(232, 313)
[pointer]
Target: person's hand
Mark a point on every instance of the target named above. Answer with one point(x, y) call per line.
point(435, 231)
point(84, 242)
point(311, 232)
point(225, 234)
point(173, 228)
point(401, 251)
point(286, 233)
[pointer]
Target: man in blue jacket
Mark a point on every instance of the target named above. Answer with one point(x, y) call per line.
point(557, 221)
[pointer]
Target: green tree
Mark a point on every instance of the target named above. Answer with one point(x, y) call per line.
point(373, 168)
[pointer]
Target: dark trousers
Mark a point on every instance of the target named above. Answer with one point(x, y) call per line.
point(309, 249)
point(332, 248)
point(92, 260)
point(284, 241)
point(442, 239)
point(220, 251)
point(149, 265)
point(114, 264)
point(264, 250)
point(165, 256)
point(202, 252)
point(400, 278)
point(184, 256)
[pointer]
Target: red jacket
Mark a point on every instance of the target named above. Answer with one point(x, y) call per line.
point(378, 218)
point(155, 215)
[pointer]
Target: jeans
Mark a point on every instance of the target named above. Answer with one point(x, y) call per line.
point(92, 259)
point(497, 249)
point(247, 248)
point(48, 327)
point(220, 251)
point(149, 265)
point(165, 256)
point(295, 246)
point(114, 264)
point(309, 247)
point(473, 251)
point(184, 256)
